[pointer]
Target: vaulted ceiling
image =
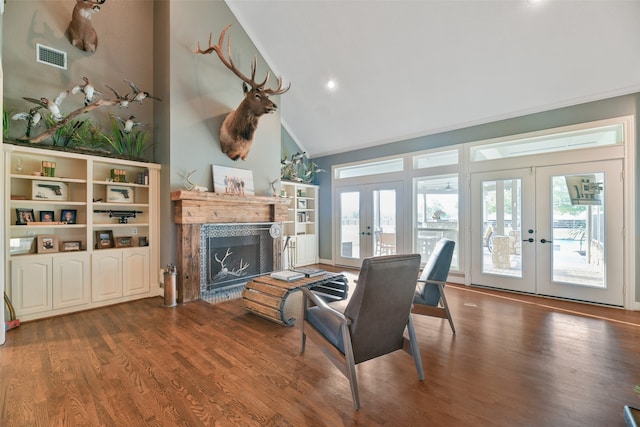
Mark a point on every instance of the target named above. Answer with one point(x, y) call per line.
point(404, 69)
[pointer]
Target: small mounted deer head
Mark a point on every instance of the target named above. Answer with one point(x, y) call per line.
point(80, 31)
point(238, 128)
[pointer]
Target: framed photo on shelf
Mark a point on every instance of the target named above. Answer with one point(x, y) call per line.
point(24, 216)
point(143, 241)
point(123, 242)
point(104, 239)
point(49, 190)
point(47, 243)
point(22, 245)
point(119, 194)
point(73, 245)
point(47, 216)
point(68, 216)
point(233, 181)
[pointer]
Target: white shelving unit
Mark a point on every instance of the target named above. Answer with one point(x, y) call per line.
point(301, 226)
point(60, 267)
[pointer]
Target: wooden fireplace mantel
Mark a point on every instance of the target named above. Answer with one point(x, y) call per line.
point(193, 208)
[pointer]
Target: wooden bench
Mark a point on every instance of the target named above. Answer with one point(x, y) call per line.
point(266, 296)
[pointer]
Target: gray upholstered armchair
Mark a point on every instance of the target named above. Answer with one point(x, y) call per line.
point(372, 322)
point(429, 298)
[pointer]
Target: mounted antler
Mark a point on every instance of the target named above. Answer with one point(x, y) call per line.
point(221, 261)
point(238, 128)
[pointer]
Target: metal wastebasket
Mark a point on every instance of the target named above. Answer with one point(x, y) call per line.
point(170, 275)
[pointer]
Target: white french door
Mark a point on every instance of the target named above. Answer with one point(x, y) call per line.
point(503, 204)
point(553, 230)
point(583, 258)
point(368, 222)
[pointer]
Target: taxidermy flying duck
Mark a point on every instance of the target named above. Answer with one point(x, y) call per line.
point(128, 124)
point(87, 89)
point(139, 95)
point(122, 101)
point(52, 106)
point(32, 118)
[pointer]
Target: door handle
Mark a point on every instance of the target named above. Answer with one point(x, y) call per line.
point(546, 241)
point(530, 240)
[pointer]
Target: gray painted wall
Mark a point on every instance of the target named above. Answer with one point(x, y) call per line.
point(202, 92)
point(608, 108)
point(151, 43)
point(289, 145)
point(125, 39)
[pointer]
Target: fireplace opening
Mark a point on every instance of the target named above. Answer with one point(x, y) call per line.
point(232, 254)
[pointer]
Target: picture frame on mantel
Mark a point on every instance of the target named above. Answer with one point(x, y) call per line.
point(233, 181)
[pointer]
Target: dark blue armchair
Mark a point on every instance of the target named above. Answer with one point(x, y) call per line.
point(429, 298)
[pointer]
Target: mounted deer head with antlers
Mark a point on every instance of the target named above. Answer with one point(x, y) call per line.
point(238, 128)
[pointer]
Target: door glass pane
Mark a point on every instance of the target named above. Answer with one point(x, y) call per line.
point(350, 224)
point(578, 229)
point(502, 235)
point(384, 220)
point(436, 214)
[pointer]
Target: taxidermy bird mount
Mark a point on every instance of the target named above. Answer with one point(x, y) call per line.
point(32, 118)
point(80, 31)
point(238, 128)
point(90, 95)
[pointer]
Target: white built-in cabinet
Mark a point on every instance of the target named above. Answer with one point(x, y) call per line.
point(118, 273)
point(301, 226)
point(60, 266)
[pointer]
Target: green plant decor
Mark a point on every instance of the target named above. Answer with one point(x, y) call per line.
point(63, 136)
point(90, 137)
point(128, 144)
point(298, 168)
point(6, 123)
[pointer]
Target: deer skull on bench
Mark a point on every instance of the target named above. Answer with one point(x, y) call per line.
point(238, 127)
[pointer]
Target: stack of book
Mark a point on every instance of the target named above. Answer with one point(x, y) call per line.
point(287, 275)
point(309, 271)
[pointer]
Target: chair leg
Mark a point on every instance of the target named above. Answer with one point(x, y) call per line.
point(351, 367)
point(446, 307)
point(304, 319)
point(415, 350)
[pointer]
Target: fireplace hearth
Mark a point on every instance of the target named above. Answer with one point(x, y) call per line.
point(194, 210)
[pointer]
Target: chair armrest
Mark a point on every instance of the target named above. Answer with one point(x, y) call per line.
point(320, 303)
point(435, 282)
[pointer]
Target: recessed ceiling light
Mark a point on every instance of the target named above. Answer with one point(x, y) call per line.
point(332, 85)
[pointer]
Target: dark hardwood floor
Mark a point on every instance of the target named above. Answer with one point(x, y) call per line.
point(515, 361)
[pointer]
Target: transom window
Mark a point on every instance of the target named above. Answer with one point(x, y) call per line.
point(561, 141)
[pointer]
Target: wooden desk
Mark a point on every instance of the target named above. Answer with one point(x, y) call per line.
point(266, 296)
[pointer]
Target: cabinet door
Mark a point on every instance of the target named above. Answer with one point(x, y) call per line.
point(306, 249)
point(31, 284)
point(106, 275)
point(135, 271)
point(70, 280)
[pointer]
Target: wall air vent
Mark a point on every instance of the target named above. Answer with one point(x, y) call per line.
point(50, 56)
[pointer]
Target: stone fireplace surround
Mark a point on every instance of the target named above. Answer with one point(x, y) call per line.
point(193, 209)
